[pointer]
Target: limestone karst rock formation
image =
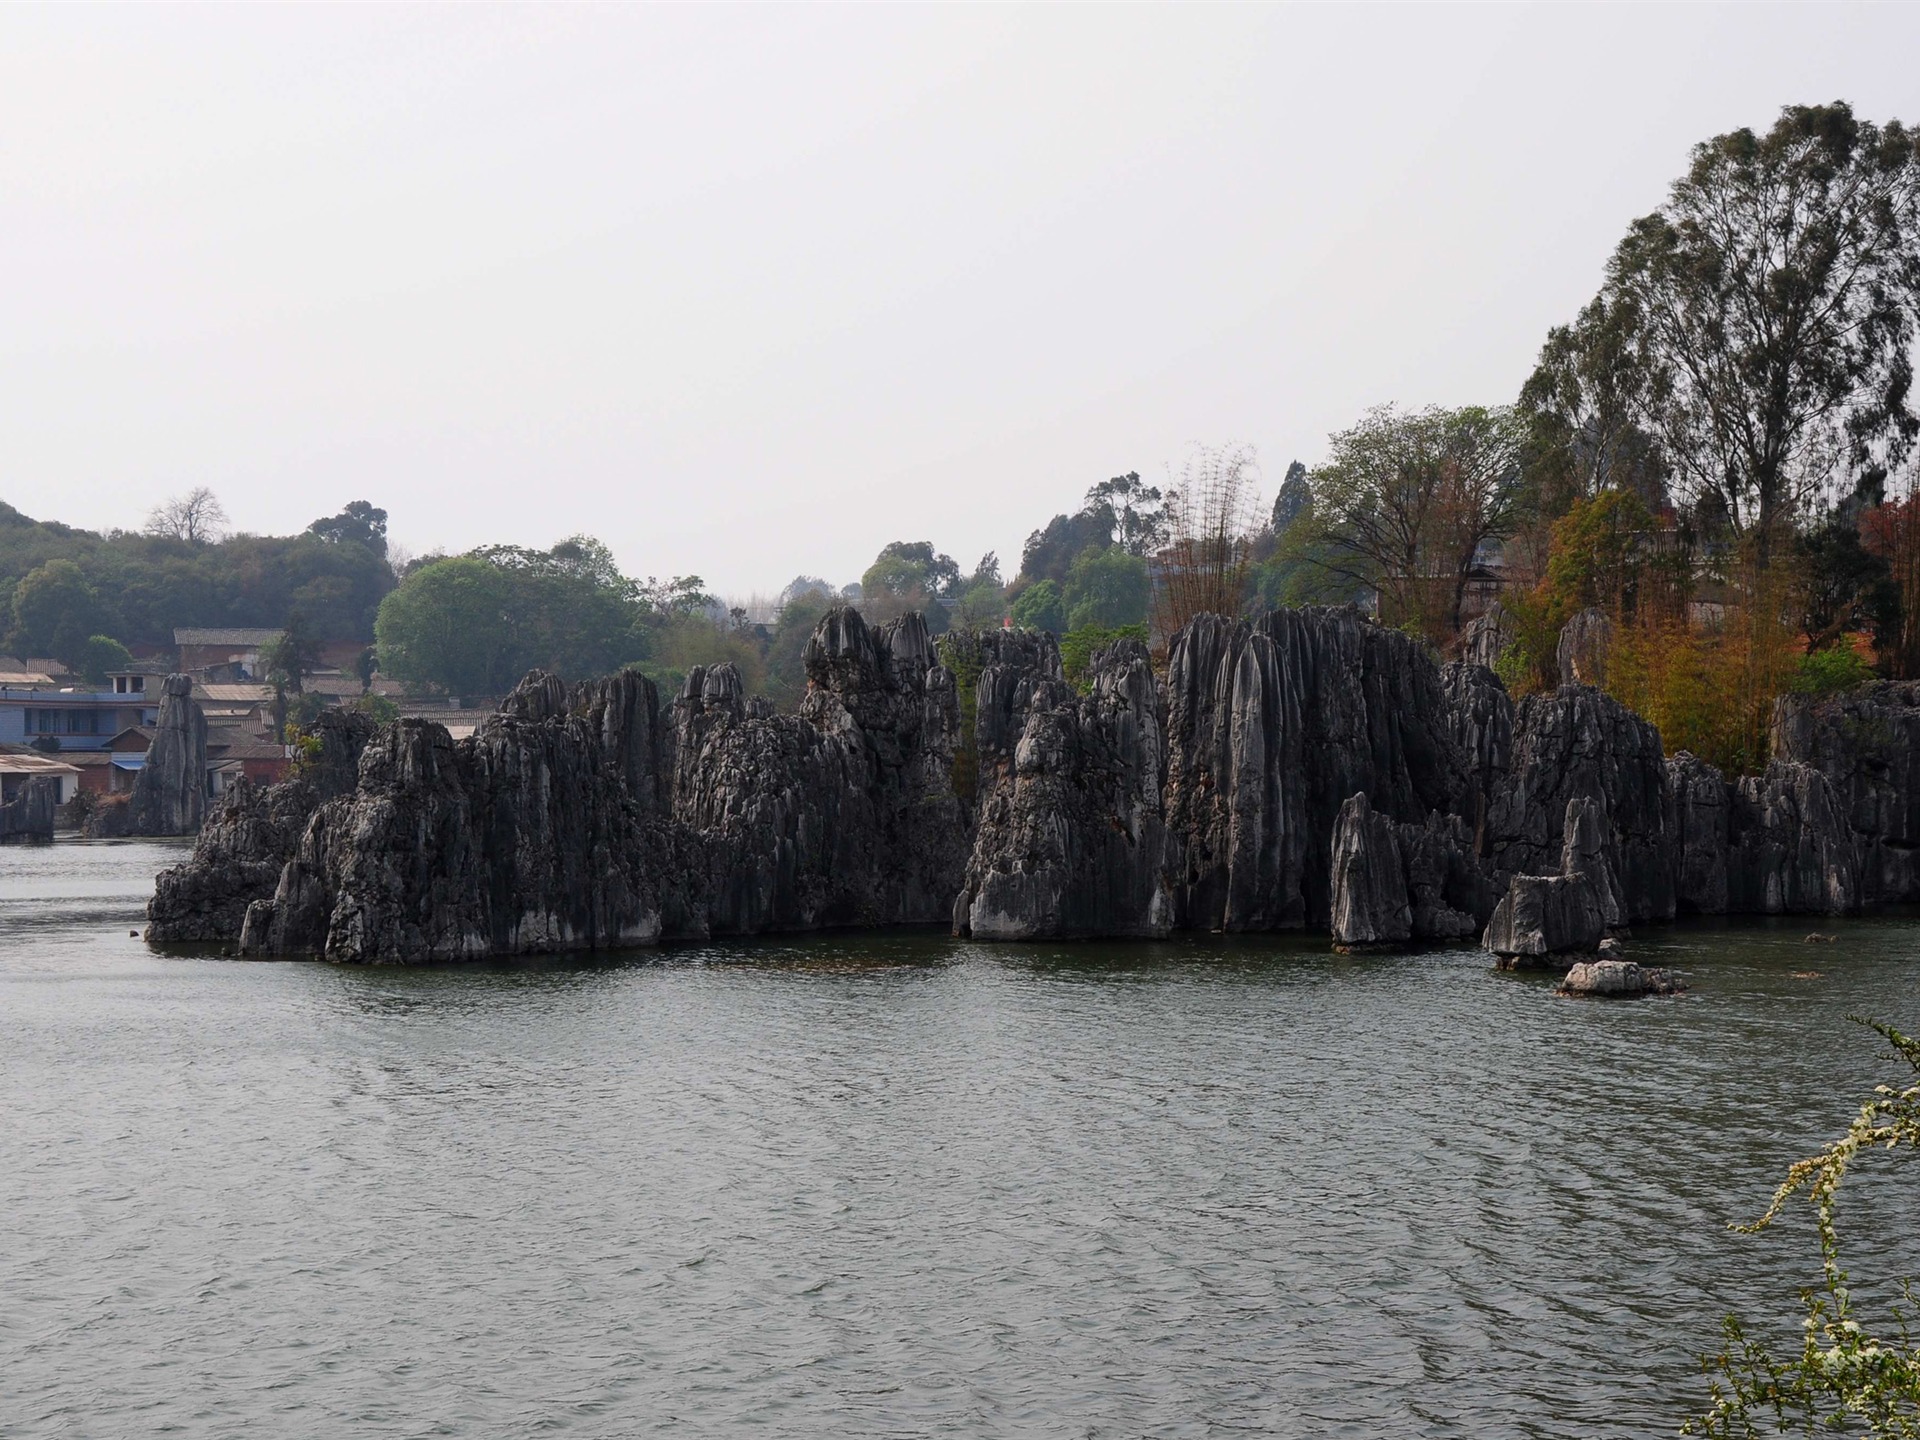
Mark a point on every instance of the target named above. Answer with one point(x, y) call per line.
point(1271, 725)
point(1570, 909)
point(1581, 743)
point(28, 814)
point(1586, 642)
point(1370, 904)
point(844, 814)
point(169, 794)
point(1304, 769)
point(251, 834)
point(1072, 837)
point(1487, 637)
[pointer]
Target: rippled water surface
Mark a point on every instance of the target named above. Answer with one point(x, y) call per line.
point(898, 1185)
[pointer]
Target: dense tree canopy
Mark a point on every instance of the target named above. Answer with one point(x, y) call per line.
point(1760, 325)
point(144, 586)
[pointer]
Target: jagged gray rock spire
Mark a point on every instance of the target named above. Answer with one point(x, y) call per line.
point(28, 815)
point(170, 792)
point(1370, 905)
point(1304, 769)
point(1072, 836)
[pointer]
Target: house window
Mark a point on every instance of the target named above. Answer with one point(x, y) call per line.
point(63, 722)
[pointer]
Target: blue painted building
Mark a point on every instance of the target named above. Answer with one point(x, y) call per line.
point(76, 719)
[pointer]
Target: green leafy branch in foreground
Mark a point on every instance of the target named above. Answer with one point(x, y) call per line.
point(1844, 1380)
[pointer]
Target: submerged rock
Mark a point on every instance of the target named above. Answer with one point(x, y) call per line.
point(1619, 979)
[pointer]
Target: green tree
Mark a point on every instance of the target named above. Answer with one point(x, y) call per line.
point(55, 611)
point(1768, 314)
point(786, 669)
point(448, 626)
point(1041, 607)
point(360, 523)
point(906, 569)
point(982, 598)
point(1294, 500)
point(292, 657)
point(1408, 498)
point(102, 656)
point(1107, 589)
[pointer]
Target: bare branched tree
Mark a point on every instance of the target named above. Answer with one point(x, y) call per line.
point(194, 517)
point(1212, 511)
point(1406, 501)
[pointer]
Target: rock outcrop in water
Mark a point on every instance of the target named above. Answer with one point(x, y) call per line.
point(544, 831)
point(1304, 769)
point(169, 795)
point(1271, 725)
point(1579, 743)
point(28, 816)
point(842, 815)
point(248, 839)
point(1370, 904)
point(1072, 837)
point(586, 817)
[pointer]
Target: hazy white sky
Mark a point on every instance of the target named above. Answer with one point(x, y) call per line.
point(749, 293)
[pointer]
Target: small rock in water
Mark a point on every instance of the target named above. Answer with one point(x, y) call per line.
point(1809, 974)
point(133, 934)
point(1622, 978)
point(1818, 939)
point(1610, 948)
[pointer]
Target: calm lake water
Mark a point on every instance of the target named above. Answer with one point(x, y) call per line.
point(900, 1185)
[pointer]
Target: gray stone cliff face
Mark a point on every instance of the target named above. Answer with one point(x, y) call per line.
point(1304, 769)
point(1072, 837)
point(28, 816)
point(169, 793)
point(1271, 725)
point(250, 836)
point(1580, 744)
point(844, 814)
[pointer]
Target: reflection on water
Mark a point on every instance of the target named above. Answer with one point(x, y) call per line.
point(898, 1184)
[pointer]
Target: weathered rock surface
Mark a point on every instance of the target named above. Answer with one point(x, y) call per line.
point(1545, 915)
point(1586, 848)
point(1619, 979)
point(1271, 725)
point(1701, 810)
point(1581, 744)
point(251, 835)
point(1791, 850)
point(1370, 904)
point(170, 792)
point(1479, 718)
point(1072, 836)
point(28, 816)
point(1586, 641)
point(1867, 743)
point(842, 815)
point(1305, 769)
point(1487, 637)
point(541, 832)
